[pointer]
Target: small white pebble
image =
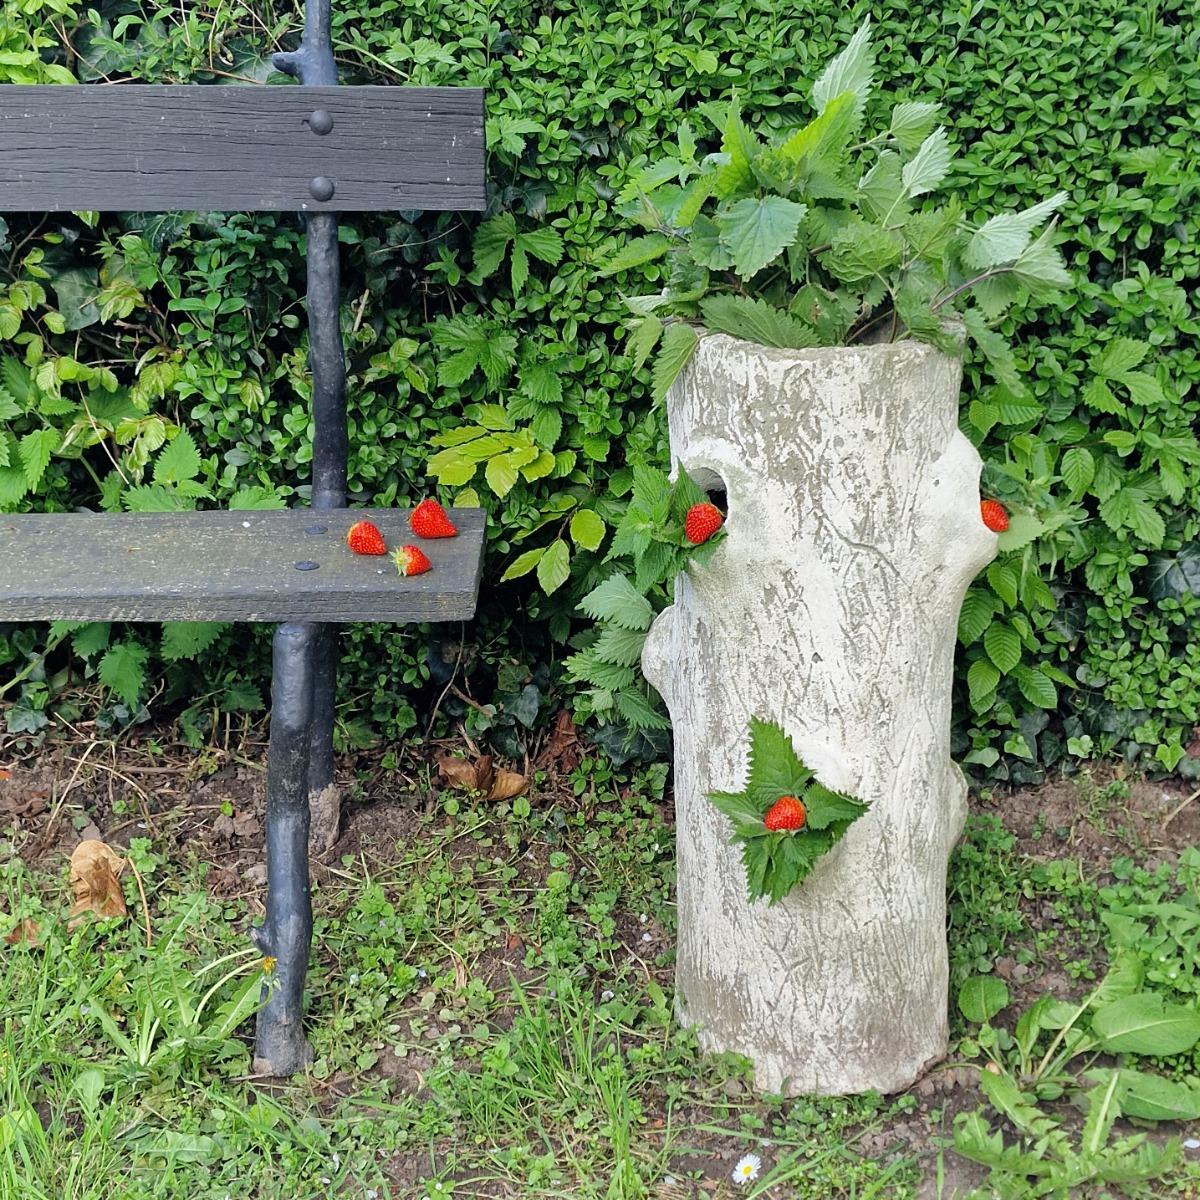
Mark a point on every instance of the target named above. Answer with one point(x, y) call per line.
point(351, 981)
point(646, 937)
point(245, 524)
point(337, 1162)
point(422, 973)
point(643, 918)
point(606, 996)
point(670, 1180)
point(1191, 1143)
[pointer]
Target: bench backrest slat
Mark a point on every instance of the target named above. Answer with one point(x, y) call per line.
point(154, 148)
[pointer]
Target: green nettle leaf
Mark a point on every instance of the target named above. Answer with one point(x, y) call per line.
point(621, 647)
point(1004, 238)
point(643, 337)
point(912, 122)
point(179, 460)
point(927, 168)
point(187, 639)
point(636, 253)
point(678, 345)
point(741, 147)
point(756, 320)
point(862, 250)
point(1042, 264)
point(1078, 469)
point(638, 711)
point(982, 680)
point(36, 448)
point(1037, 688)
point(1003, 646)
point(554, 566)
point(1120, 355)
point(617, 601)
point(757, 231)
point(490, 242)
point(982, 997)
point(123, 669)
point(976, 614)
point(850, 71)
point(776, 862)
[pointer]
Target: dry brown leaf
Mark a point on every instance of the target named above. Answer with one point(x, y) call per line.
point(482, 776)
point(506, 785)
point(458, 772)
point(24, 931)
point(95, 881)
point(5, 773)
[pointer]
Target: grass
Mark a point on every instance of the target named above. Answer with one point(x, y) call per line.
point(490, 1012)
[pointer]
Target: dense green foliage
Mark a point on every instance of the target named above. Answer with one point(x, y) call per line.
point(151, 324)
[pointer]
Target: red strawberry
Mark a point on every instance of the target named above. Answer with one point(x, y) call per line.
point(702, 521)
point(994, 515)
point(429, 520)
point(365, 538)
point(410, 561)
point(786, 814)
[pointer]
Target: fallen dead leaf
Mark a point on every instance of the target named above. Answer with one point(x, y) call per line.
point(562, 751)
point(95, 882)
point(25, 931)
point(482, 776)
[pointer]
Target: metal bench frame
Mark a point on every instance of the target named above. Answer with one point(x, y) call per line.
point(301, 761)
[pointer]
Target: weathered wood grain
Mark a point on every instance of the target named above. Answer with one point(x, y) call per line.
point(229, 566)
point(156, 148)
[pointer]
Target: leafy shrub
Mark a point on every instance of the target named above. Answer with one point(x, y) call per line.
point(579, 102)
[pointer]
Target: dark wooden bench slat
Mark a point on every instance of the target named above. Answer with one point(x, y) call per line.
point(151, 148)
point(229, 566)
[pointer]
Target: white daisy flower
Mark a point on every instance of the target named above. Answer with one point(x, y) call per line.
point(747, 1168)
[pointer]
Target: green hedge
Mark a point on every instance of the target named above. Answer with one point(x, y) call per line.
point(1078, 644)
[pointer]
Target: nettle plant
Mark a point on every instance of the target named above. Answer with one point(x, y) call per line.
point(820, 237)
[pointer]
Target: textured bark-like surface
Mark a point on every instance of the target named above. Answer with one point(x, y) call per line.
point(830, 609)
point(158, 148)
point(291, 565)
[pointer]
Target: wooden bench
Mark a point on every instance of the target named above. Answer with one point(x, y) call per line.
point(320, 150)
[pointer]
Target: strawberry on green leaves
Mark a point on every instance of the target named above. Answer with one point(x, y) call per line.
point(702, 521)
point(784, 819)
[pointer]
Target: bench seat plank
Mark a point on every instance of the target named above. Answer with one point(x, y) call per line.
point(166, 148)
point(229, 566)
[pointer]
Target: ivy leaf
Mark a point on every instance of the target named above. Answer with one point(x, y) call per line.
point(757, 231)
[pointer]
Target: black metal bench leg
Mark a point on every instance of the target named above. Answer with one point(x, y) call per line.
point(320, 755)
point(285, 935)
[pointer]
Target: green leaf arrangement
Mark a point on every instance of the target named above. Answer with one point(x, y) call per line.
point(777, 862)
point(819, 236)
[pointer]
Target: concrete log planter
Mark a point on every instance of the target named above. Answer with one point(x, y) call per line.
point(831, 610)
